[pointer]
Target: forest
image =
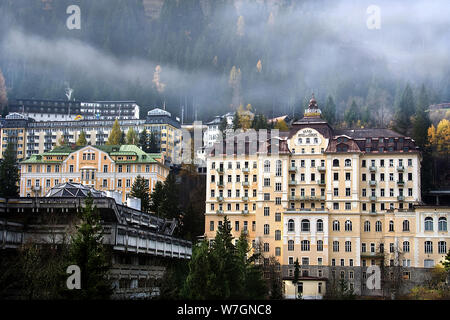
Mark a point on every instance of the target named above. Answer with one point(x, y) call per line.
point(211, 56)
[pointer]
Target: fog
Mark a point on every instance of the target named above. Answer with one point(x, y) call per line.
point(317, 46)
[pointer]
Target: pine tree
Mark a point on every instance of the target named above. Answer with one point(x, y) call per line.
point(116, 134)
point(140, 190)
point(156, 199)
point(421, 121)
point(352, 115)
point(169, 207)
point(88, 252)
point(9, 174)
point(132, 137)
point(81, 139)
point(329, 111)
point(143, 141)
point(404, 112)
point(153, 144)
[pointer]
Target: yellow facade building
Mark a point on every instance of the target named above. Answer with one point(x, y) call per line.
point(339, 201)
point(105, 168)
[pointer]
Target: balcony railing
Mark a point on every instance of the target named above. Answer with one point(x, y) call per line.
point(292, 182)
point(244, 211)
point(401, 198)
point(321, 168)
point(401, 182)
point(220, 170)
point(245, 199)
point(246, 184)
point(400, 168)
point(320, 182)
point(292, 169)
point(372, 169)
point(220, 199)
point(219, 211)
point(372, 183)
point(220, 184)
point(373, 198)
point(246, 170)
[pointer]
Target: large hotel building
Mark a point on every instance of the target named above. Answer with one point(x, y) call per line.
point(337, 200)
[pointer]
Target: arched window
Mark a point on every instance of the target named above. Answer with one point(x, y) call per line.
point(291, 225)
point(278, 168)
point(442, 224)
point(305, 245)
point(367, 226)
point(405, 246)
point(267, 166)
point(319, 245)
point(335, 163)
point(348, 162)
point(348, 225)
point(378, 226)
point(391, 226)
point(405, 225)
point(291, 245)
point(305, 225)
point(348, 246)
point(428, 224)
point(336, 225)
point(319, 225)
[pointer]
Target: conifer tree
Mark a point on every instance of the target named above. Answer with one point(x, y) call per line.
point(132, 137)
point(421, 120)
point(329, 111)
point(404, 112)
point(156, 199)
point(140, 190)
point(116, 134)
point(9, 174)
point(81, 139)
point(88, 252)
point(143, 140)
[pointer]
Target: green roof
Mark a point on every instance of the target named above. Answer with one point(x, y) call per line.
point(112, 150)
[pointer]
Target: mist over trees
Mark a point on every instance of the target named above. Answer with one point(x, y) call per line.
point(213, 56)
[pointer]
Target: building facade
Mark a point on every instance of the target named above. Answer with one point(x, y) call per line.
point(105, 168)
point(32, 137)
point(339, 201)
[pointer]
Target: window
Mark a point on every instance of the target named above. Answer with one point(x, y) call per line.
point(319, 225)
point(367, 226)
point(305, 225)
point(71, 168)
point(105, 183)
point(428, 224)
point(266, 211)
point(348, 162)
point(278, 168)
point(347, 192)
point(291, 245)
point(211, 226)
point(336, 225)
point(267, 166)
point(405, 225)
point(348, 246)
point(335, 163)
point(319, 245)
point(428, 263)
point(363, 247)
point(378, 226)
point(266, 229)
point(305, 245)
point(278, 186)
point(348, 225)
point(348, 206)
point(335, 246)
point(405, 246)
point(442, 224)
point(428, 247)
point(391, 226)
point(278, 216)
point(336, 176)
point(277, 234)
point(266, 247)
point(291, 226)
point(442, 247)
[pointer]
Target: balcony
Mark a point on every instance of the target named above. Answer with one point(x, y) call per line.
point(321, 182)
point(219, 211)
point(246, 170)
point(401, 182)
point(401, 198)
point(292, 169)
point(220, 170)
point(321, 168)
point(372, 183)
point(220, 199)
point(292, 183)
point(244, 211)
point(400, 168)
point(372, 169)
point(373, 198)
point(220, 184)
point(372, 255)
point(373, 211)
point(292, 198)
point(245, 199)
point(246, 184)
point(322, 198)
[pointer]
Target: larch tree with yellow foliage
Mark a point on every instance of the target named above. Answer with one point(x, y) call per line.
point(115, 135)
point(439, 138)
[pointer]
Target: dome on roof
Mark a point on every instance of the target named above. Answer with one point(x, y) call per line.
point(158, 112)
point(73, 190)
